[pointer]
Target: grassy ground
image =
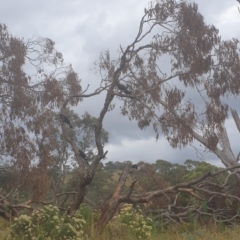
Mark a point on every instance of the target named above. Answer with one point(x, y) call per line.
point(201, 234)
point(177, 232)
point(190, 232)
point(3, 229)
point(181, 233)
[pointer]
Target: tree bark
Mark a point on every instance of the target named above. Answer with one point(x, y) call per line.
point(113, 203)
point(236, 118)
point(78, 200)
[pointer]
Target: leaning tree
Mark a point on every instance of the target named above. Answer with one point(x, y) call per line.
point(34, 85)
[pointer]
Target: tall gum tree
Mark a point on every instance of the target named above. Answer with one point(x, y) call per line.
point(200, 63)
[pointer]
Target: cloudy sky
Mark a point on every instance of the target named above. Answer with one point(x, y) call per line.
point(82, 29)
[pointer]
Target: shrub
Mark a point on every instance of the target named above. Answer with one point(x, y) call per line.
point(47, 223)
point(133, 222)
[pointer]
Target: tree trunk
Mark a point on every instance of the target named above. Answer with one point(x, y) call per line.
point(225, 154)
point(78, 200)
point(236, 118)
point(112, 204)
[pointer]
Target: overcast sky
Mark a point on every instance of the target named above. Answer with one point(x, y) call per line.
point(82, 29)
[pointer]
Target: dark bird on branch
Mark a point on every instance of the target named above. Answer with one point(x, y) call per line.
point(162, 118)
point(138, 167)
point(135, 166)
point(65, 119)
point(122, 88)
point(82, 155)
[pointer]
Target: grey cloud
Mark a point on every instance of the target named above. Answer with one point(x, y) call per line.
point(149, 150)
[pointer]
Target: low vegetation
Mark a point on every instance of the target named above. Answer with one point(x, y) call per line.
point(129, 224)
point(178, 215)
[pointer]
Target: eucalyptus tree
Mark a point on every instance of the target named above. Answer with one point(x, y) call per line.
point(34, 84)
point(181, 80)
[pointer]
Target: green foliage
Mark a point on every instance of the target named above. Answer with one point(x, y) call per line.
point(197, 169)
point(133, 222)
point(114, 165)
point(172, 173)
point(90, 216)
point(47, 223)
